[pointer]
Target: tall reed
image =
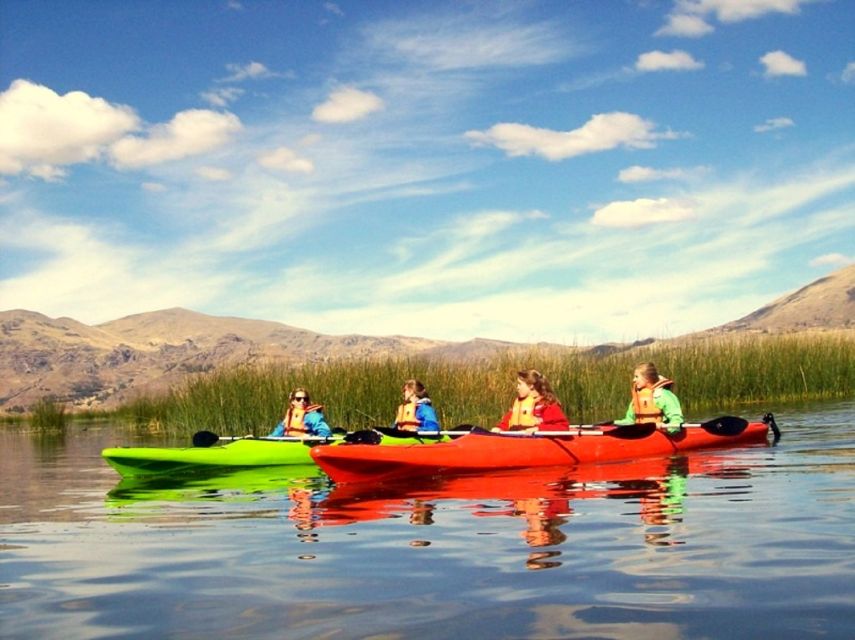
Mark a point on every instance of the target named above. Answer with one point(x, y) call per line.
point(711, 375)
point(48, 415)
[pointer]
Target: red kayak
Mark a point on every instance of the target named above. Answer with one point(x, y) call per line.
point(482, 451)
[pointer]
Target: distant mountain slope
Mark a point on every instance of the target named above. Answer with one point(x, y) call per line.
point(105, 365)
point(827, 303)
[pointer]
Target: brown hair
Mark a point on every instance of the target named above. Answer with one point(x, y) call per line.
point(416, 387)
point(298, 390)
point(537, 381)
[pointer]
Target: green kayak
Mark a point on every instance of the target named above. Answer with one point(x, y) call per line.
point(245, 452)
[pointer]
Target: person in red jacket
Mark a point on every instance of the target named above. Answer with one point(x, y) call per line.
point(535, 408)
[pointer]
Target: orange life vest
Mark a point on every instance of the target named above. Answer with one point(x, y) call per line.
point(406, 417)
point(294, 419)
point(522, 414)
point(644, 403)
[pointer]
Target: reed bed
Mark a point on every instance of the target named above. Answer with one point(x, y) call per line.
point(48, 416)
point(711, 375)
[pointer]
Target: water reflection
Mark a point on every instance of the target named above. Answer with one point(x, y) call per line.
point(540, 499)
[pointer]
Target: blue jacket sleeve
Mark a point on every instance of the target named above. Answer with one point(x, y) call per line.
point(426, 416)
point(278, 431)
point(317, 425)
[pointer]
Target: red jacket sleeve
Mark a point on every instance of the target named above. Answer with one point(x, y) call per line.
point(505, 421)
point(553, 419)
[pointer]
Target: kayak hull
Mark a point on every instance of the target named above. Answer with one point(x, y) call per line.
point(247, 452)
point(143, 461)
point(479, 451)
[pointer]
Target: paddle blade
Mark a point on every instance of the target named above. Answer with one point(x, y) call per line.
point(726, 425)
point(364, 436)
point(204, 438)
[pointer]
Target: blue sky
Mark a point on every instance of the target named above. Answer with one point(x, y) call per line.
point(573, 172)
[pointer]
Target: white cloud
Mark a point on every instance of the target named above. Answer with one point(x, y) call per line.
point(40, 129)
point(686, 26)
point(222, 97)
point(602, 132)
point(773, 124)
point(285, 160)
point(252, 70)
point(779, 63)
point(676, 60)
point(94, 277)
point(689, 18)
point(832, 259)
point(848, 75)
point(213, 174)
point(154, 187)
point(453, 42)
point(739, 10)
point(638, 173)
point(642, 212)
point(189, 133)
point(346, 105)
point(333, 8)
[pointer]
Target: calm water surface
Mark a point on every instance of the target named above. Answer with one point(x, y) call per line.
point(749, 543)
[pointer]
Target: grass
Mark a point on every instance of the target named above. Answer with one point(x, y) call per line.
point(711, 375)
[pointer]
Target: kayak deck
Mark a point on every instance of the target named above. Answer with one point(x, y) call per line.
point(483, 451)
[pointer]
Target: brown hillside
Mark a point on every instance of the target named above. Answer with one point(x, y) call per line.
point(827, 303)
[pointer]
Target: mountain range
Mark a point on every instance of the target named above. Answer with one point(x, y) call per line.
point(104, 365)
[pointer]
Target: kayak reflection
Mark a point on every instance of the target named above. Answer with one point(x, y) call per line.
point(540, 497)
point(239, 485)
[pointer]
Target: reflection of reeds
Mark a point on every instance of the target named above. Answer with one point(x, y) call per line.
point(48, 416)
point(711, 374)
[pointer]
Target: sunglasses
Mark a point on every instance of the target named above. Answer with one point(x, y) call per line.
point(301, 398)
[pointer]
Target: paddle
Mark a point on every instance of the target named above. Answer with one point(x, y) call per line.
point(723, 426)
point(374, 435)
point(208, 438)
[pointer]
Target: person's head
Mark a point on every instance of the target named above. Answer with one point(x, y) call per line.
point(299, 397)
point(414, 390)
point(645, 375)
point(531, 382)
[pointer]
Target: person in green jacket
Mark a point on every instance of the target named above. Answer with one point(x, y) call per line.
point(653, 402)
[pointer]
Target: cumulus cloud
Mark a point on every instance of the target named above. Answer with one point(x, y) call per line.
point(346, 105)
point(686, 26)
point(676, 60)
point(638, 173)
point(189, 133)
point(848, 75)
point(832, 259)
point(779, 63)
point(773, 124)
point(285, 160)
point(689, 18)
point(642, 212)
point(604, 131)
point(40, 129)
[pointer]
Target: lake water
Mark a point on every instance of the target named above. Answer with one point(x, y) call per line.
point(743, 543)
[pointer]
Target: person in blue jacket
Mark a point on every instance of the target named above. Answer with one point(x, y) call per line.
point(302, 418)
point(416, 412)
